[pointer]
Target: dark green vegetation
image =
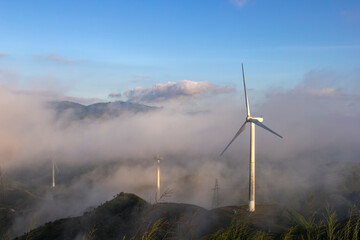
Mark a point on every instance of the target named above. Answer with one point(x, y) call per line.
point(111, 219)
point(13, 202)
point(129, 217)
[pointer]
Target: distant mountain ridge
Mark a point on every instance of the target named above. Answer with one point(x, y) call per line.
point(98, 110)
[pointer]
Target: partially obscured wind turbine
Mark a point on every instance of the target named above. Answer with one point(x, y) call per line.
point(158, 193)
point(252, 120)
point(53, 173)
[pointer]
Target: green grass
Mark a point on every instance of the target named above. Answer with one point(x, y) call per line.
point(311, 227)
point(128, 217)
point(239, 230)
point(315, 226)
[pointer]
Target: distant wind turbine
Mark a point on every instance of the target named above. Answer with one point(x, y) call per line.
point(253, 121)
point(53, 173)
point(54, 169)
point(158, 193)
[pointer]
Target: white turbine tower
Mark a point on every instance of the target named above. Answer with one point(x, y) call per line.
point(53, 173)
point(253, 121)
point(158, 193)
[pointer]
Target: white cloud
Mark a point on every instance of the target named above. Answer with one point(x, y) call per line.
point(114, 95)
point(174, 90)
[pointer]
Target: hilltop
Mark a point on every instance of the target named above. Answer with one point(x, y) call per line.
point(127, 215)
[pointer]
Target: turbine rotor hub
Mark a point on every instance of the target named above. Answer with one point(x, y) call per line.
point(250, 119)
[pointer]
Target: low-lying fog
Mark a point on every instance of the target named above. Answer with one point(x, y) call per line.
point(98, 158)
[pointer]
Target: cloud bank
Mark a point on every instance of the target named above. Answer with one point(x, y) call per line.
point(318, 118)
point(174, 90)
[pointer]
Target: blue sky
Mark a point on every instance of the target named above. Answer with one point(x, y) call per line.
point(92, 48)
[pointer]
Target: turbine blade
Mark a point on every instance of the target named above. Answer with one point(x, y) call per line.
point(236, 135)
point(265, 127)
point(246, 97)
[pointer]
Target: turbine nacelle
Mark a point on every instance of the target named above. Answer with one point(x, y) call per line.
point(158, 158)
point(254, 119)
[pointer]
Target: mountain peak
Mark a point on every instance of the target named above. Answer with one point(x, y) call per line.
point(77, 111)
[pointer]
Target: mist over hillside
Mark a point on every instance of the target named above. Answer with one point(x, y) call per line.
point(100, 156)
point(245, 108)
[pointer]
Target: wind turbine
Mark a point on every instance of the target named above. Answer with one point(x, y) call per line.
point(55, 169)
point(53, 173)
point(158, 193)
point(253, 121)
